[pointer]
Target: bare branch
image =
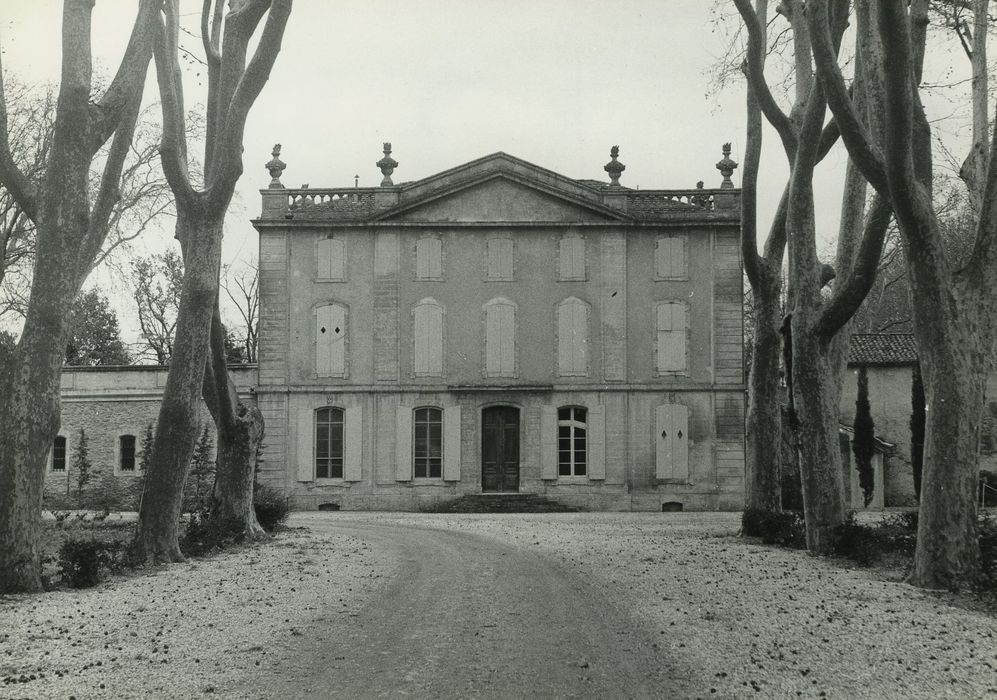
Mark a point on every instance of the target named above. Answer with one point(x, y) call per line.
point(11, 177)
point(173, 149)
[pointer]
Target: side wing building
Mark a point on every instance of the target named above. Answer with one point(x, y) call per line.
point(499, 328)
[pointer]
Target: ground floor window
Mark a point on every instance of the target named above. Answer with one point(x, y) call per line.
point(329, 443)
point(126, 453)
point(59, 454)
point(571, 441)
point(427, 446)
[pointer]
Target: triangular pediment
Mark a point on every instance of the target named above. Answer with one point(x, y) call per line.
point(499, 189)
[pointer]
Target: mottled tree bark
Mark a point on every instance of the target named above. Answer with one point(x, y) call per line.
point(70, 233)
point(233, 86)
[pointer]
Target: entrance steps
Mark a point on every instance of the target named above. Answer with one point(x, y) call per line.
point(500, 503)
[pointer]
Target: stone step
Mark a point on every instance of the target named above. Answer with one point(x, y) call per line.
point(501, 503)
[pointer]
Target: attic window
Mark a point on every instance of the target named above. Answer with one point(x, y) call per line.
point(499, 260)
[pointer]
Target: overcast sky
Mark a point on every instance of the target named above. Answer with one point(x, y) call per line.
point(555, 82)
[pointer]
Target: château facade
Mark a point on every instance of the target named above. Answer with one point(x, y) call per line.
point(497, 328)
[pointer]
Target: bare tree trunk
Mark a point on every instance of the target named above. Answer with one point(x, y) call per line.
point(157, 539)
point(240, 430)
point(764, 421)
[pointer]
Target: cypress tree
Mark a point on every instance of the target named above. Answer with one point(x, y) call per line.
point(917, 420)
point(864, 442)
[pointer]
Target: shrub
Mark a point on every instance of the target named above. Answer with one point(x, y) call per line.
point(860, 543)
point(785, 529)
point(987, 532)
point(81, 562)
point(205, 534)
point(272, 507)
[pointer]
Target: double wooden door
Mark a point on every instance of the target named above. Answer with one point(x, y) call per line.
point(500, 449)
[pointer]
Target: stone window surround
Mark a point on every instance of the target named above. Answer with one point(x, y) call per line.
point(440, 412)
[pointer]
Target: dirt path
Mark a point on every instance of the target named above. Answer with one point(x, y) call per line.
point(466, 616)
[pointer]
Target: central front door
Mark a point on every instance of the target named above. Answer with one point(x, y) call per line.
point(500, 449)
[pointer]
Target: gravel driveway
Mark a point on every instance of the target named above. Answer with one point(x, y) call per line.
point(570, 605)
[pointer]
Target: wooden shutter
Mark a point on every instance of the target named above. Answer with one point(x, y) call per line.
point(672, 441)
point(428, 322)
point(403, 443)
point(451, 443)
point(330, 259)
point(330, 340)
point(434, 249)
point(597, 442)
point(548, 442)
point(572, 338)
point(499, 258)
point(306, 445)
point(671, 336)
point(500, 339)
point(571, 256)
point(353, 444)
point(678, 257)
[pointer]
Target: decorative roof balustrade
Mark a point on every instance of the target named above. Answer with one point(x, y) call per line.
point(651, 204)
point(335, 203)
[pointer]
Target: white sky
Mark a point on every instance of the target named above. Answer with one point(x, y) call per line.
point(555, 82)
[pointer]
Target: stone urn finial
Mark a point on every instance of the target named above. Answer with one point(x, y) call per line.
point(614, 167)
point(726, 167)
point(276, 167)
point(387, 165)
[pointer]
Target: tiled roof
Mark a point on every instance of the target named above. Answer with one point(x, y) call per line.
point(882, 349)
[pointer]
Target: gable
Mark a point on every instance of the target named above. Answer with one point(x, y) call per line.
point(498, 199)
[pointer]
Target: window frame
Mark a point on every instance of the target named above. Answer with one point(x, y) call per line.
point(428, 458)
point(120, 454)
point(573, 424)
point(65, 455)
point(330, 457)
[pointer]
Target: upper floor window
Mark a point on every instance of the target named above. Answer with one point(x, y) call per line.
point(427, 446)
point(126, 453)
point(427, 331)
point(59, 453)
point(329, 443)
point(499, 260)
point(330, 258)
point(330, 340)
point(572, 449)
point(672, 331)
point(670, 258)
point(571, 257)
point(572, 338)
point(500, 338)
point(429, 258)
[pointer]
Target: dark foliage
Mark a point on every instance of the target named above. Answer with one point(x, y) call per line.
point(206, 535)
point(918, 418)
point(82, 562)
point(785, 529)
point(988, 488)
point(95, 338)
point(864, 442)
point(988, 554)
point(519, 503)
point(272, 507)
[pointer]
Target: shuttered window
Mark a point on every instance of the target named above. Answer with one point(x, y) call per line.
point(59, 454)
point(671, 441)
point(499, 259)
point(572, 338)
point(500, 338)
point(330, 259)
point(670, 258)
point(427, 443)
point(429, 259)
point(329, 443)
point(330, 340)
point(671, 325)
point(427, 331)
point(571, 257)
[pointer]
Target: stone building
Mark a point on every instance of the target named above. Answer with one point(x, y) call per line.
point(499, 327)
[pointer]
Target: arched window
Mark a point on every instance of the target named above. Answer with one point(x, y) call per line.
point(499, 260)
point(427, 445)
point(429, 258)
point(571, 257)
point(330, 340)
point(329, 443)
point(671, 325)
point(330, 257)
point(59, 453)
point(572, 338)
point(500, 338)
point(126, 453)
point(572, 441)
point(427, 331)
